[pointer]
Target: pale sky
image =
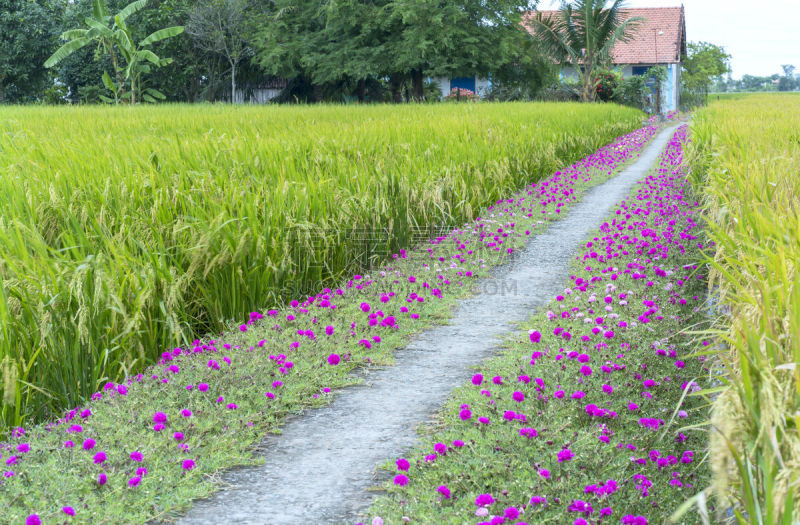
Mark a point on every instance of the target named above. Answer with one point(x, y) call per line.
point(760, 36)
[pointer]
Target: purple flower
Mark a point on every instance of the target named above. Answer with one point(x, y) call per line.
point(69, 444)
point(544, 473)
point(465, 414)
point(483, 420)
point(69, 511)
point(102, 478)
point(202, 387)
point(141, 472)
point(99, 458)
point(159, 417)
point(88, 444)
point(188, 464)
point(403, 464)
point(334, 359)
point(23, 448)
point(178, 436)
point(565, 455)
point(511, 513)
point(33, 519)
point(535, 336)
point(136, 456)
point(134, 481)
point(186, 412)
point(158, 427)
point(400, 480)
point(444, 491)
point(329, 330)
point(518, 396)
point(477, 379)
point(484, 500)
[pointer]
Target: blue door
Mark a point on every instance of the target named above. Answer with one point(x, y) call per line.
point(463, 83)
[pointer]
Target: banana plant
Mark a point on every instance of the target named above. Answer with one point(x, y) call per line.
point(113, 35)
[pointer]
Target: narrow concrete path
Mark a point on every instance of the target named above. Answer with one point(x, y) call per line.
point(318, 470)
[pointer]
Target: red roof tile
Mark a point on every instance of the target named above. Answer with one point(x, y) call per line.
point(641, 49)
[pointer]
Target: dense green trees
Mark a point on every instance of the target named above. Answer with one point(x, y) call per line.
point(328, 49)
point(28, 34)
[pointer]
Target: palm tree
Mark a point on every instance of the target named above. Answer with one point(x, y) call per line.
point(583, 34)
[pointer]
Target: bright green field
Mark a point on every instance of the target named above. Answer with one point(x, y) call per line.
point(125, 231)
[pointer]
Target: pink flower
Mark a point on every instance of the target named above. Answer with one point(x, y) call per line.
point(334, 359)
point(403, 464)
point(188, 464)
point(444, 491)
point(401, 480)
point(136, 456)
point(535, 336)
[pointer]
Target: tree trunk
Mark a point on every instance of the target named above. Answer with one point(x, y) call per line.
point(394, 87)
point(233, 83)
point(361, 88)
point(416, 77)
point(2, 92)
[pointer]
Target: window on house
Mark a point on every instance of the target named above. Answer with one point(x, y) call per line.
point(640, 70)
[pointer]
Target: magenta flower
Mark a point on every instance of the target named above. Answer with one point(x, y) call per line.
point(544, 473)
point(484, 420)
point(334, 359)
point(444, 491)
point(403, 464)
point(99, 458)
point(134, 481)
point(329, 330)
point(88, 444)
point(159, 417)
point(69, 511)
point(535, 336)
point(69, 444)
point(232, 406)
point(511, 513)
point(102, 478)
point(202, 387)
point(401, 480)
point(33, 519)
point(178, 436)
point(141, 472)
point(23, 448)
point(484, 500)
point(518, 396)
point(477, 379)
point(136, 456)
point(608, 389)
point(158, 427)
point(565, 455)
point(465, 414)
point(188, 464)
point(186, 412)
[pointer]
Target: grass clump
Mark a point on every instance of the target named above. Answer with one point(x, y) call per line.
point(745, 155)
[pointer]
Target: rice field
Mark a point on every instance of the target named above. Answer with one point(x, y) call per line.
point(745, 162)
point(128, 231)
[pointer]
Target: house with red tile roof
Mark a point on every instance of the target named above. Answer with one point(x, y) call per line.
point(659, 40)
